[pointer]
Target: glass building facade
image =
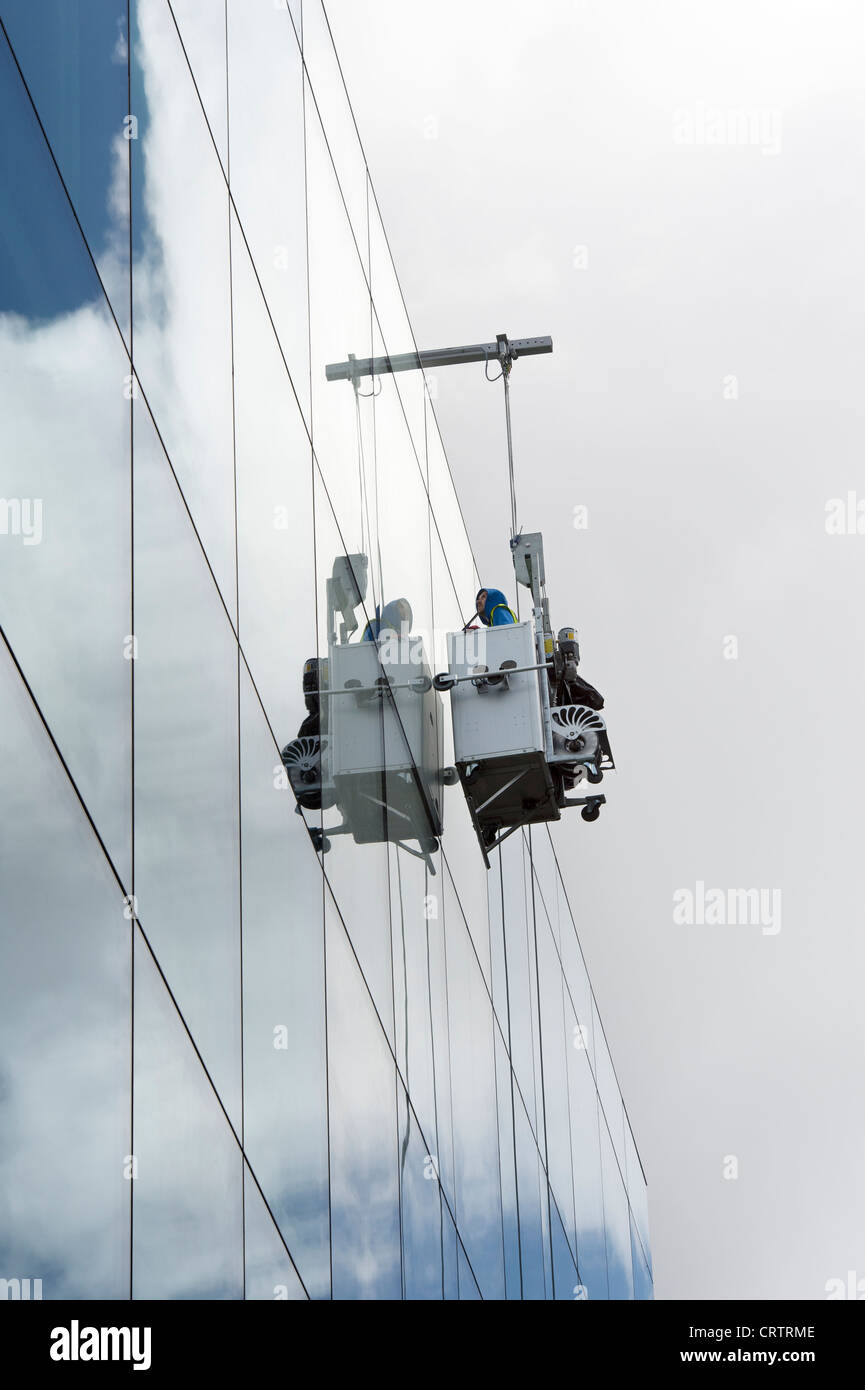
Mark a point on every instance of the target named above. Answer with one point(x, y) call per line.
point(243, 1057)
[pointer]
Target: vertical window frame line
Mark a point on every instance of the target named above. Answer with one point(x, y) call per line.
point(228, 204)
point(132, 934)
point(435, 1091)
point(402, 1145)
point(546, 1165)
point(314, 471)
point(496, 1094)
point(426, 867)
point(526, 851)
point(565, 988)
point(512, 1077)
point(447, 1004)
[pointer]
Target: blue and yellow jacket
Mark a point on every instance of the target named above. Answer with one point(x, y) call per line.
point(496, 612)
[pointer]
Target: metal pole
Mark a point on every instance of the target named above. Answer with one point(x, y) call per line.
point(506, 371)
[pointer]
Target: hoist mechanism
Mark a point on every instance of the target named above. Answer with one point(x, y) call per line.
point(527, 729)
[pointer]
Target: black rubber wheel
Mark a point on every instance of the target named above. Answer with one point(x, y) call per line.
point(590, 812)
point(595, 777)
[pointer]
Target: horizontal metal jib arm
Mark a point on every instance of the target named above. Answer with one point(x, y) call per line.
point(509, 348)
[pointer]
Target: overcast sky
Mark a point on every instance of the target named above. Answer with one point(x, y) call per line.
point(674, 192)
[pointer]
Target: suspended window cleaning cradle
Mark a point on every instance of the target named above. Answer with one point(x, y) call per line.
point(527, 729)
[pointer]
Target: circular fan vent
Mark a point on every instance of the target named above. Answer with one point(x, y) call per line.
point(302, 754)
point(572, 720)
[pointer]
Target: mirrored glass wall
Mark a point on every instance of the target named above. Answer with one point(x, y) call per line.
point(293, 1037)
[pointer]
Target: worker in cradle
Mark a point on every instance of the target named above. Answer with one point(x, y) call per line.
point(493, 609)
point(568, 687)
point(302, 757)
point(312, 676)
point(391, 619)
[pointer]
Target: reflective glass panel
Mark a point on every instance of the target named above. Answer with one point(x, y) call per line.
point(643, 1287)
point(637, 1195)
point(65, 510)
point(329, 99)
point(74, 60)
point(284, 1040)
point(201, 25)
point(364, 1141)
point(534, 1213)
point(265, 83)
point(187, 1227)
point(187, 839)
point(65, 958)
point(478, 1208)
point(181, 284)
point(616, 1223)
point(268, 1267)
point(588, 1189)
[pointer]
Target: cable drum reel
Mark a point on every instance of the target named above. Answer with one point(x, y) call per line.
point(577, 732)
point(302, 761)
